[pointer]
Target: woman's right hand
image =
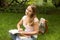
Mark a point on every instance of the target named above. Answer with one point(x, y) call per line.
point(20, 29)
point(20, 32)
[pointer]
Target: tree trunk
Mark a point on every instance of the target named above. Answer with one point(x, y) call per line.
point(3, 3)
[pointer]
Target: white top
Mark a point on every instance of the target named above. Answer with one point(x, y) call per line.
point(28, 28)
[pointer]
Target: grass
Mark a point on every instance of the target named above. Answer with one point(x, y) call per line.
point(9, 20)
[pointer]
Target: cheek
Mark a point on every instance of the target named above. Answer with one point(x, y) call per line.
point(30, 13)
point(26, 12)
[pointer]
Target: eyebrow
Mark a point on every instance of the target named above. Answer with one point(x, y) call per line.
point(29, 10)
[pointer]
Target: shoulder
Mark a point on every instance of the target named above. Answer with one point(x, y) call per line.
point(36, 19)
point(24, 17)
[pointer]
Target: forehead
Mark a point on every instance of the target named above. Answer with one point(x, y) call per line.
point(29, 7)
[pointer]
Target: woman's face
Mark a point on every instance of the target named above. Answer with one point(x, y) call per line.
point(28, 11)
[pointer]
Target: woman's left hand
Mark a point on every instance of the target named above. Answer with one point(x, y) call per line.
point(21, 33)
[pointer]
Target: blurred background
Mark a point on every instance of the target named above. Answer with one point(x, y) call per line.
point(43, 6)
point(11, 11)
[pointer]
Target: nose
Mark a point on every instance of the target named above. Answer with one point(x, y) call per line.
point(26, 10)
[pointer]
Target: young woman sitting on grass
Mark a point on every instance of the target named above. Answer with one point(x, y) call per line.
point(31, 24)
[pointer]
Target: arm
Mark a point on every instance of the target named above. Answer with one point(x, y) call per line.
point(36, 30)
point(19, 24)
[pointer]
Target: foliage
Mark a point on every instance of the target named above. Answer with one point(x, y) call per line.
point(42, 6)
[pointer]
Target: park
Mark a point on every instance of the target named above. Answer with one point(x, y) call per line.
point(11, 11)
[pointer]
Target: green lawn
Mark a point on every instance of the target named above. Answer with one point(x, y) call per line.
point(9, 20)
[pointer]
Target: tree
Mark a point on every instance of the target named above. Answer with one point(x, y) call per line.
point(3, 3)
point(22, 2)
point(56, 3)
point(45, 0)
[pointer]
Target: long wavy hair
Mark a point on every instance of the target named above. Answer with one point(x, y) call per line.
point(33, 15)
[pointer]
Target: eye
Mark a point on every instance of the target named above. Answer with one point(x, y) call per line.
point(28, 10)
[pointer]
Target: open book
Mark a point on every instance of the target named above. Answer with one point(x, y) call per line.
point(13, 31)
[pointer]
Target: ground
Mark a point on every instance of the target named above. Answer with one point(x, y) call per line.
point(9, 20)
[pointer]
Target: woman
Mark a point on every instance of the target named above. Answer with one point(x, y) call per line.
point(31, 24)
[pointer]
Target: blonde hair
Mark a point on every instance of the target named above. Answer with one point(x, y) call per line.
point(33, 15)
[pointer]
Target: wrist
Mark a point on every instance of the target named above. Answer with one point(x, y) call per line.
point(20, 29)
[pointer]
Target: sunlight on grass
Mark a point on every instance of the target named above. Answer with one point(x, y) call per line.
point(9, 20)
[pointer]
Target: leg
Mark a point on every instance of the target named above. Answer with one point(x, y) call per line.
point(34, 38)
point(13, 36)
point(27, 38)
point(18, 38)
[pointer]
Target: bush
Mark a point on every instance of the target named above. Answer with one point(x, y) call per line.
point(42, 7)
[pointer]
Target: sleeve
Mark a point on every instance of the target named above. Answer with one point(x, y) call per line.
point(36, 20)
point(23, 17)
